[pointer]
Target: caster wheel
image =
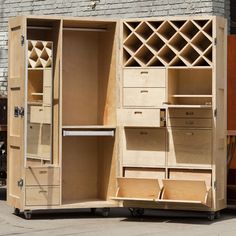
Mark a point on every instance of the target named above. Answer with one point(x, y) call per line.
point(93, 210)
point(28, 215)
point(211, 216)
point(136, 212)
point(217, 215)
point(105, 212)
point(17, 211)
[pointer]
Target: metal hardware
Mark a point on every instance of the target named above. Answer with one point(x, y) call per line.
point(22, 40)
point(215, 112)
point(19, 111)
point(215, 184)
point(215, 41)
point(20, 183)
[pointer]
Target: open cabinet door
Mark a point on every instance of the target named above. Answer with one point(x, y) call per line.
point(16, 104)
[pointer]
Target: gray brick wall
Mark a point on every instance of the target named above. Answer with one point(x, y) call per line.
point(107, 8)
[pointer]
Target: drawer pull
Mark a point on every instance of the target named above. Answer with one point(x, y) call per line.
point(43, 191)
point(144, 91)
point(143, 72)
point(143, 133)
point(41, 109)
point(189, 133)
point(189, 113)
point(138, 113)
point(189, 122)
point(43, 172)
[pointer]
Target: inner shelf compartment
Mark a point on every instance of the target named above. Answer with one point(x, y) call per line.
point(190, 86)
point(88, 168)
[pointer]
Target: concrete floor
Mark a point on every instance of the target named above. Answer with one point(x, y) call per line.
point(119, 223)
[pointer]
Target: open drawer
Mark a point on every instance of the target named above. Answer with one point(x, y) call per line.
point(137, 189)
point(186, 191)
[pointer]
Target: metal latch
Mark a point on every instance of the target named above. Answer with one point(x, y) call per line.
point(19, 111)
point(20, 183)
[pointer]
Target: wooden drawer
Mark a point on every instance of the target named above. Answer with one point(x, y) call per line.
point(40, 114)
point(42, 176)
point(189, 147)
point(144, 147)
point(141, 117)
point(181, 122)
point(42, 196)
point(143, 97)
point(144, 77)
point(189, 113)
point(145, 173)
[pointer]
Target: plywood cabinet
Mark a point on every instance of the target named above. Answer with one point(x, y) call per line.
point(107, 113)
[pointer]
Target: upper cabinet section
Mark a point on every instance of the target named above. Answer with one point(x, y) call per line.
point(163, 43)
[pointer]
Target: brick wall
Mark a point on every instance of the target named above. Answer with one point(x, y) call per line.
point(108, 8)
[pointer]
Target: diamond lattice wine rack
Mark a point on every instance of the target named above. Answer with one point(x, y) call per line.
point(177, 43)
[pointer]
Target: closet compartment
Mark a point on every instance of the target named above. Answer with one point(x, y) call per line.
point(144, 147)
point(89, 73)
point(202, 113)
point(88, 166)
point(141, 117)
point(145, 77)
point(190, 86)
point(191, 123)
point(189, 147)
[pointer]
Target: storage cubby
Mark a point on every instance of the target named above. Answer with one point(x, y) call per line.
point(88, 172)
point(190, 87)
point(35, 86)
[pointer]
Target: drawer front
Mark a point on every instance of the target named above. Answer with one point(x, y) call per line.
point(145, 173)
point(36, 114)
point(39, 114)
point(42, 196)
point(181, 122)
point(144, 97)
point(144, 77)
point(189, 147)
point(144, 147)
point(141, 117)
point(189, 113)
point(42, 176)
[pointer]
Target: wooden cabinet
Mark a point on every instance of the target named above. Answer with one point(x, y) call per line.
point(117, 113)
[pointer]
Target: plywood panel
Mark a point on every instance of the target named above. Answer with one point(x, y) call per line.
point(144, 173)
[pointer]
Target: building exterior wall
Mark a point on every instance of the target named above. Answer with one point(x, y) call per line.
point(102, 8)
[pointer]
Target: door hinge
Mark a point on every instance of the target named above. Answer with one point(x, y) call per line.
point(215, 183)
point(19, 111)
point(215, 41)
point(215, 112)
point(22, 40)
point(20, 183)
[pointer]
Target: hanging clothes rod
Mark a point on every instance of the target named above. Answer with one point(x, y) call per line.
point(68, 28)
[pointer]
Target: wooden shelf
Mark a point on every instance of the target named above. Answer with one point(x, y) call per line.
point(88, 127)
point(188, 106)
point(88, 133)
point(191, 96)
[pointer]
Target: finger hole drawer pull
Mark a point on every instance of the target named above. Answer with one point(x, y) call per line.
point(143, 133)
point(189, 133)
point(144, 72)
point(43, 191)
point(43, 172)
point(138, 113)
point(189, 113)
point(144, 91)
point(189, 122)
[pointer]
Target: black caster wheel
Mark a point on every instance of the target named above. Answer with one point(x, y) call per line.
point(28, 215)
point(93, 210)
point(17, 211)
point(105, 212)
point(136, 212)
point(217, 215)
point(211, 216)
